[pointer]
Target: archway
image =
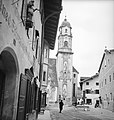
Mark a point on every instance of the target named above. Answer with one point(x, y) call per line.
point(8, 73)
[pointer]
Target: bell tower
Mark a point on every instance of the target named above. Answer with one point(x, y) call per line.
point(64, 62)
point(65, 37)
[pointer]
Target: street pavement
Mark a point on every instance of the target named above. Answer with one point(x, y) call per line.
point(71, 113)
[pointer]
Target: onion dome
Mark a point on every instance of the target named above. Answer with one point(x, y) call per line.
point(65, 23)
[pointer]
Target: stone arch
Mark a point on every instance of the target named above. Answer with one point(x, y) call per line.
point(9, 72)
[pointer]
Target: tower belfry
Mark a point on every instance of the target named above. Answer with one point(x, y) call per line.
point(64, 62)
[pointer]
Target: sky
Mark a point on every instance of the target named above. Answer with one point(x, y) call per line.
point(92, 23)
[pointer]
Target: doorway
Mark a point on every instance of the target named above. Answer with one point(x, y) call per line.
point(8, 73)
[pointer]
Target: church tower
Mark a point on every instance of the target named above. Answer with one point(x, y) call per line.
point(64, 62)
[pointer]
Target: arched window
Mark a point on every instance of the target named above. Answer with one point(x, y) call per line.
point(65, 44)
point(65, 30)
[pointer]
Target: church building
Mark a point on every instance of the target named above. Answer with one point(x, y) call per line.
point(61, 84)
point(64, 62)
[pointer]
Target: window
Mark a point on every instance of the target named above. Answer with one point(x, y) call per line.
point(37, 39)
point(105, 62)
point(65, 44)
point(106, 96)
point(74, 75)
point(74, 90)
point(65, 30)
point(96, 91)
point(46, 53)
point(105, 81)
point(113, 76)
point(87, 83)
point(88, 91)
point(97, 83)
point(110, 78)
point(110, 96)
point(44, 76)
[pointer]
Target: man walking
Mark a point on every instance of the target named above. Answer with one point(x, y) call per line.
point(61, 106)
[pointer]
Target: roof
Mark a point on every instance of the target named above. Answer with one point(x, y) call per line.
point(83, 78)
point(74, 70)
point(52, 72)
point(65, 23)
point(105, 52)
point(90, 78)
point(52, 9)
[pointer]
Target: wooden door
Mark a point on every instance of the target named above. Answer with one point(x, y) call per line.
point(21, 114)
point(2, 86)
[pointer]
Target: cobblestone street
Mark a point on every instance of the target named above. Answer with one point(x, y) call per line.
point(69, 113)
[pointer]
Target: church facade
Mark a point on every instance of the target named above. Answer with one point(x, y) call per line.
point(64, 62)
point(62, 79)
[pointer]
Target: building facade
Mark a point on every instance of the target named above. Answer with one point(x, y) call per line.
point(90, 90)
point(19, 36)
point(106, 80)
point(52, 81)
point(75, 85)
point(24, 36)
point(64, 62)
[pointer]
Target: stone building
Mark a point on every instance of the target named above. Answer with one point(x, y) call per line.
point(90, 90)
point(52, 81)
point(62, 79)
point(75, 85)
point(106, 80)
point(27, 30)
point(64, 62)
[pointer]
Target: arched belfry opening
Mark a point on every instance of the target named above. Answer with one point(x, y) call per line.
point(8, 76)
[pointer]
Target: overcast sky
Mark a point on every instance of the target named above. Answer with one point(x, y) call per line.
point(92, 24)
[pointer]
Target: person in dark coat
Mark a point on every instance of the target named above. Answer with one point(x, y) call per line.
point(61, 105)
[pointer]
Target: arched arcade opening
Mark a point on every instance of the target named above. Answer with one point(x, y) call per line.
point(8, 75)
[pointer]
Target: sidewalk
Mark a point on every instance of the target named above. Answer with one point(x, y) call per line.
point(100, 113)
point(45, 116)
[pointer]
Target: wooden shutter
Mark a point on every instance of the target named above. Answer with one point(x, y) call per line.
point(22, 98)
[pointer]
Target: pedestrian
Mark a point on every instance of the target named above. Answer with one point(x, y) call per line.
point(61, 105)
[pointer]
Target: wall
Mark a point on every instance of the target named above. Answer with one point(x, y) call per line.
point(107, 86)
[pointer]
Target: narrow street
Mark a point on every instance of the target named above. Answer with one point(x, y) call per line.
point(69, 113)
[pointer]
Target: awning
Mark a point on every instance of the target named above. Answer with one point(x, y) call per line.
point(52, 9)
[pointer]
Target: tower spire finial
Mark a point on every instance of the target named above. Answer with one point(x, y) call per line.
point(65, 18)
